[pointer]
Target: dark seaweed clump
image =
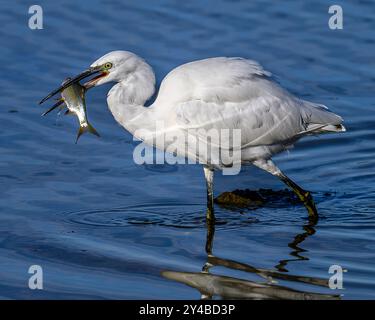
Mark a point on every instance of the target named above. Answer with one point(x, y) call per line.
point(255, 198)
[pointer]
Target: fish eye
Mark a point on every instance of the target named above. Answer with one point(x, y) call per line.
point(107, 65)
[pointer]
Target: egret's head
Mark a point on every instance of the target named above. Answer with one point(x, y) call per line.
point(115, 66)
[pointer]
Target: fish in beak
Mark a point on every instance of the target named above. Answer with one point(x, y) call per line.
point(98, 71)
point(73, 98)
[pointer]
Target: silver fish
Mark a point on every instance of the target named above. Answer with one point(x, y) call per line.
point(74, 99)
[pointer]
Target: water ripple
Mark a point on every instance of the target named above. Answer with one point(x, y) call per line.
point(187, 216)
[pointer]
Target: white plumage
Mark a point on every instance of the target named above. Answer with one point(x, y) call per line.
point(216, 93)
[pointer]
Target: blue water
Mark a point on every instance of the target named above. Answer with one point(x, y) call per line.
point(103, 227)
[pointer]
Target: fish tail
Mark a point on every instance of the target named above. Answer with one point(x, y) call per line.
point(81, 131)
point(88, 128)
point(92, 130)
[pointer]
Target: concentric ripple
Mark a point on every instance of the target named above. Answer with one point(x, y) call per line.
point(184, 215)
point(171, 215)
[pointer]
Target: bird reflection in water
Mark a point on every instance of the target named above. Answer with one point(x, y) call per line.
point(213, 285)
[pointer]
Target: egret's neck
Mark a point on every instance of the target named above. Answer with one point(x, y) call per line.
point(126, 99)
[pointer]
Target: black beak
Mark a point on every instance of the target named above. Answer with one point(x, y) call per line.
point(58, 103)
point(75, 79)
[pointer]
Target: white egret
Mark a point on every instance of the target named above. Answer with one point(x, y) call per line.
point(215, 93)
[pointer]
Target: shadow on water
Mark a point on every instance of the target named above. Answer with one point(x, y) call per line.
point(212, 285)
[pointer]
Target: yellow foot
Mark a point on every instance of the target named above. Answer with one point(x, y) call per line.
point(308, 201)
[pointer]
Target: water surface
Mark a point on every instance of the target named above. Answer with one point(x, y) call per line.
point(103, 227)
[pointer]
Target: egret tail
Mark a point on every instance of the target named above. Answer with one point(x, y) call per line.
point(318, 119)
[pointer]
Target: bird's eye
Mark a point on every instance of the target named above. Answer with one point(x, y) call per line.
point(107, 65)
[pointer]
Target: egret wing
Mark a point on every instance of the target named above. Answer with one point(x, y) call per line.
point(236, 93)
point(261, 121)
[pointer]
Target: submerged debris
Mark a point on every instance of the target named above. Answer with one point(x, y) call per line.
point(255, 198)
point(240, 198)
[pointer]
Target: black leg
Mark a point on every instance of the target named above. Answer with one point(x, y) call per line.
point(304, 196)
point(209, 175)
